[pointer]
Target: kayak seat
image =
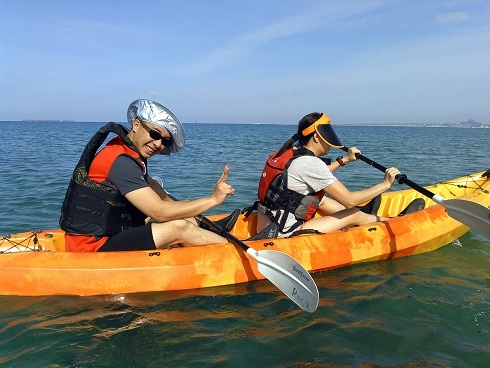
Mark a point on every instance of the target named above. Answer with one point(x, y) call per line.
point(416, 205)
point(271, 231)
point(372, 206)
point(268, 232)
point(226, 223)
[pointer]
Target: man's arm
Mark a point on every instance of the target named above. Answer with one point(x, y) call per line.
point(150, 202)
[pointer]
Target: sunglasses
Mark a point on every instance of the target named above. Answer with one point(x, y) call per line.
point(155, 134)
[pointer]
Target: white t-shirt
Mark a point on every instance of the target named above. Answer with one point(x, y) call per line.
point(306, 174)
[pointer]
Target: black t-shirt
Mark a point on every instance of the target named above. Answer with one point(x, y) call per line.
point(126, 175)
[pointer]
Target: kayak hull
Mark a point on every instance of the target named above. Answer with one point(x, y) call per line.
point(35, 263)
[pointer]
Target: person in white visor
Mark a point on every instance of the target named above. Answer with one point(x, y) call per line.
point(111, 197)
point(296, 182)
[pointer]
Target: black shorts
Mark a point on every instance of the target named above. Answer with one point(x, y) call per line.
point(137, 238)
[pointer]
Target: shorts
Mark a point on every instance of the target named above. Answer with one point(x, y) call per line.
point(136, 238)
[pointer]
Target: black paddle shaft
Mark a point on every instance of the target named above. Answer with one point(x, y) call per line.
point(223, 232)
point(402, 178)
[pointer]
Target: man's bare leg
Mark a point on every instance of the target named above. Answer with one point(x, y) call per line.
point(183, 232)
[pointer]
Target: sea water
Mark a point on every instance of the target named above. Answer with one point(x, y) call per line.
point(428, 310)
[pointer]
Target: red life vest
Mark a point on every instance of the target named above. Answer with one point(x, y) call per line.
point(274, 194)
point(91, 206)
point(100, 167)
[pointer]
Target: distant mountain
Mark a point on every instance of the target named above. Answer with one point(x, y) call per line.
point(470, 123)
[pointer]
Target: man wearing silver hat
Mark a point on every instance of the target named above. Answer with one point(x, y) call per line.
point(110, 195)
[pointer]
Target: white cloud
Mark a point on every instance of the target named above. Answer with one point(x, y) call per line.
point(329, 15)
point(455, 17)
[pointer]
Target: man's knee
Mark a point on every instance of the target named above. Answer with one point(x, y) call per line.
point(174, 226)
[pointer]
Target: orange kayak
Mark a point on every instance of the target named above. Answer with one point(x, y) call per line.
point(35, 263)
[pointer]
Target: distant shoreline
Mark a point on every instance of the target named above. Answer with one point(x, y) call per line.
point(421, 125)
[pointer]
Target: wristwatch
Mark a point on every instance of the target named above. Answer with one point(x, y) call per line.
point(340, 161)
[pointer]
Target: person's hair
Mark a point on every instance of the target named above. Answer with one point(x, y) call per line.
point(304, 123)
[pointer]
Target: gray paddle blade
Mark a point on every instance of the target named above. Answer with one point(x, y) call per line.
point(289, 276)
point(472, 214)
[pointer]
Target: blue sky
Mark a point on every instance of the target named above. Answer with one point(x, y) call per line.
point(237, 61)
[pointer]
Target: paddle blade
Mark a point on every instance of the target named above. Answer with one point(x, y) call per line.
point(289, 276)
point(472, 214)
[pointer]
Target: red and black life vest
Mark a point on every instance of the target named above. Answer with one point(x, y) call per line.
point(92, 207)
point(274, 194)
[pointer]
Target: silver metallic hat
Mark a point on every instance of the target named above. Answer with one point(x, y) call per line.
point(154, 113)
